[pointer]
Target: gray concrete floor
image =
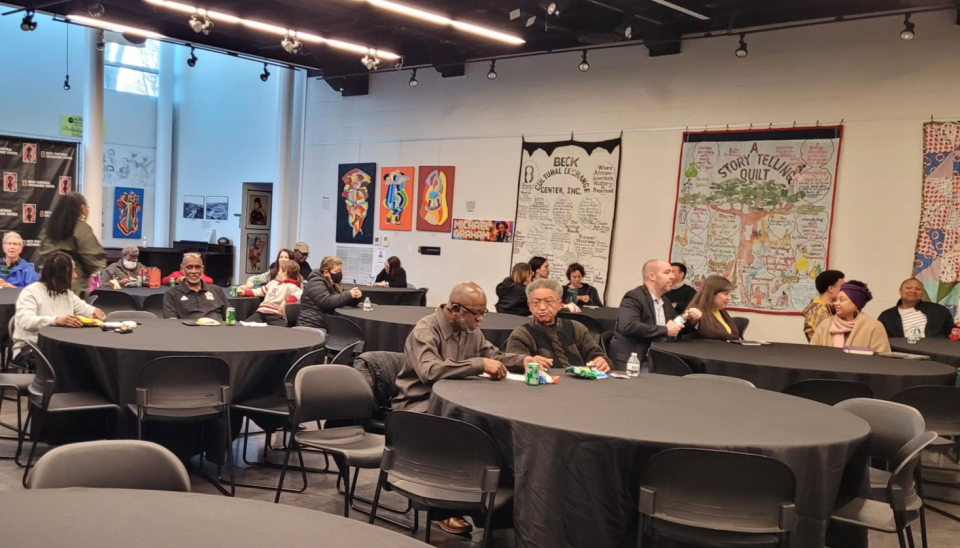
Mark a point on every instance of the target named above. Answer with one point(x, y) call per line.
point(321, 495)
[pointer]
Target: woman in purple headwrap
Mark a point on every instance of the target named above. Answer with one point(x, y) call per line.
point(850, 326)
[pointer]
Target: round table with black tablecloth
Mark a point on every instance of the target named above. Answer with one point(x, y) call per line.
point(387, 327)
point(576, 450)
point(99, 518)
point(245, 305)
point(8, 308)
point(939, 350)
point(776, 366)
point(395, 296)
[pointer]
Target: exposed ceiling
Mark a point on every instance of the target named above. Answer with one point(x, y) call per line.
point(581, 23)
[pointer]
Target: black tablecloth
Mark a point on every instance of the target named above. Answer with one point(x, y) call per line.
point(8, 307)
point(940, 350)
point(387, 327)
point(777, 366)
point(245, 305)
point(605, 316)
point(101, 518)
point(577, 449)
point(392, 296)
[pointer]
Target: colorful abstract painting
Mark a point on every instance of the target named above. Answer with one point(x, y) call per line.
point(128, 215)
point(937, 261)
point(356, 196)
point(435, 195)
point(396, 195)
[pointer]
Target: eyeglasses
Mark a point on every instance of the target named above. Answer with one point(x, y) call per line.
point(471, 311)
point(549, 302)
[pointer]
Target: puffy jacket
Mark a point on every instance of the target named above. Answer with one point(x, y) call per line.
point(512, 298)
point(22, 275)
point(321, 296)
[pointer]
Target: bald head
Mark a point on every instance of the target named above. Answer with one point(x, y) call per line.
point(467, 293)
point(652, 266)
point(658, 276)
point(466, 307)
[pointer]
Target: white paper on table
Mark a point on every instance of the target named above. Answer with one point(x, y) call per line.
point(253, 324)
point(510, 376)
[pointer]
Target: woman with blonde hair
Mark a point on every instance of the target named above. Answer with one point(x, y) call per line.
point(512, 291)
point(850, 326)
point(712, 300)
point(324, 293)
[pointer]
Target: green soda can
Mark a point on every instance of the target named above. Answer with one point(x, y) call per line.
point(173, 281)
point(533, 374)
point(233, 291)
point(231, 318)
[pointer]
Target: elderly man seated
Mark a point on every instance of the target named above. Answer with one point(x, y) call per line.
point(565, 342)
point(125, 270)
point(194, 298)
point(14, 271)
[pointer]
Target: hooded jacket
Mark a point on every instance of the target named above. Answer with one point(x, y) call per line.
point(321, 296)
point(512, 298)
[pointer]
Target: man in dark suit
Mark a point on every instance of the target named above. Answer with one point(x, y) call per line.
point(647, 315)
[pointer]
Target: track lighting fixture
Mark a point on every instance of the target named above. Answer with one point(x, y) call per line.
point(192, 61)
point(28, 24)
point(96, 10)
point(200, 23)
point(584, 65)
point(266, 74)
point(908, 29)
point(291, 44)
point(371, 62)
point(742, 50)
point(101, 42)
point(625, 28)
point(492, 73)
point(66, 83)
point(413, 79)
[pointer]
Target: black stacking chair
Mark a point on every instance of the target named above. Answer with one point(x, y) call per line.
point(291, 311)
point(341, 332)
point(154, 303)
point(110, 300)
point(717, 498)
point(132, 315)
point(741, 324)
point(591, 324)
point(44, 399)
point(829, 391)
point(346, 356)
point(113, 464)
point(6, 346)
point(438, 462)
point(665, 363)
point(333, 392)
point(183, 389)
point(13, 387)
point(605, 340)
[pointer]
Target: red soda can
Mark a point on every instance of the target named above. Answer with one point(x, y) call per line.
point(955, 334)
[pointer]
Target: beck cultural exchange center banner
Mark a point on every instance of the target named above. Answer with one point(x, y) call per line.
point(35, 172)
point(566, 206)
point(756, 207)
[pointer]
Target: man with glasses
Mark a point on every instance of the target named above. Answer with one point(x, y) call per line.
point(565, 342)
point(14, 271)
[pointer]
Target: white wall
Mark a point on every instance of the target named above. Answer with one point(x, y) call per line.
point(882, 87)
point(225, 134)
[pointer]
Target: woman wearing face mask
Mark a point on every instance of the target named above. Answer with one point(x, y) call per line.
point(712, 300)
point(126, 269)
point(324, 294)
point(850, 326)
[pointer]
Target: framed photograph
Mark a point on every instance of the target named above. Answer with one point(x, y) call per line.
point(193, 207)
point(256, 256)
point(218, 207)
point(257, 214)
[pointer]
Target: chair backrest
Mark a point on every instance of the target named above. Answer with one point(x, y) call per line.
point(902, 487)
point(665, 363)
point(330, 391)
point(741, 324)
point(431, 450)
point(939, 405)
point(411, 298)
point(411, 286)
point(110, 464)
point(110, 300)
point(341, 332)
point(154, 303)
point(829, 391)
point(345, 356)
point(892, 424)
point(722, 490)
point(380, 370)
point(184, 382)
point(592, 325)
point(124, 315)
point(605, 340)
point(721, 378)
point(11, 325)
point(45, 378)
point(291, 311)
point(314, 357)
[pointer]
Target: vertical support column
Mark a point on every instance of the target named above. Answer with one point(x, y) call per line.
point(162, 197)
point(281, 212)
point(93, 133)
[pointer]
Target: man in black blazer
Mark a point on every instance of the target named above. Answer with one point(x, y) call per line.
point(646, 315)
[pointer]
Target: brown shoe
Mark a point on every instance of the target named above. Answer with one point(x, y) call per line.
point(455, 526)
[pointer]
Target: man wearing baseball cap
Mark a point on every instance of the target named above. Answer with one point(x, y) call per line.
point(300, 253)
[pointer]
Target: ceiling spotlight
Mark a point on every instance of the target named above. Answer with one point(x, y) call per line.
point(370, 62)
point(101, 42)
point(66, 83)
point(625, 28)
point(492, 73)
point(200, 24)
point(532, 20)
point(908, 29)
point(742, 50)
point(192, 61)
point(266, 74)
point(584, 65)
point(96, 10)
point(291, 45)
point(28, 24)
point(554, 7)
point(413, 79)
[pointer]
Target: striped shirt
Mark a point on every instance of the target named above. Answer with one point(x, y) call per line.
point(913, 319)
point(658, 309)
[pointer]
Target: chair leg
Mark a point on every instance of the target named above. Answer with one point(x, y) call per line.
point(426, 529)
point(918, 479)
point(909, 532)
point(283, 470)
point(346, 496)
point(900, 529)
point(23, 435)
point(376, 497)
point(230, 463)
point(487, 533)
point(33, 447)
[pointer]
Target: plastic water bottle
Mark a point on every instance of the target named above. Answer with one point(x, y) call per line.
point(682, 319)
point(367, 306)
point(633, 365)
